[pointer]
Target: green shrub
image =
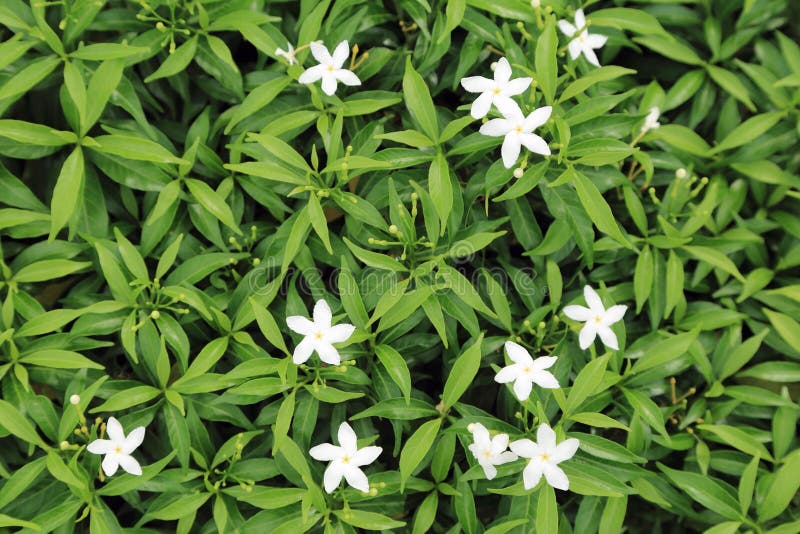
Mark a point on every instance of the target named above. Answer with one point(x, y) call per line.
point(288, 266)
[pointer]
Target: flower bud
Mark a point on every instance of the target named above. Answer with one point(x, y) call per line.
point(518, 172)
point(536, 4)
point(155, 314)
point(681, 173)
point(74, 400)
point(471, 427)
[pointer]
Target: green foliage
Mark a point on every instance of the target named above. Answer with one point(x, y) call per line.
point(170, 194)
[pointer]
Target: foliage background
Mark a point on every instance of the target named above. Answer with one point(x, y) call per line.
point(152, 247)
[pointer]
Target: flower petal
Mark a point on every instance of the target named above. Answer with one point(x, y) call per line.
point(347, 439)
point(480, 108)
point(517, 86)
point(537, 117)
point(480, 436)
point(339, 333)
point(129, 464)
point(322, 314)
point(565, 450)
point(535, 144)
point(608, 337)
point(507, 374)
point(496, 127)
point(328, 353)
point(133, 440)
point(522, 388)
point(320, 52)
point(502, 71)
point(510, 150)
point(574, 48)
point(329, 88)
point(340, 54)
point(546, 437)
point(499, 443)
point(580, 19)
point(114, 430)
point(587, 335)
point(578, 313)
point(489, 470)
point(506, 106)
point(100, 446)
point(303, 350)
point(614, 314)
point(525, 448)
point(347, 77)
point(356, 478)
point(593, 299)
point(326, 452)
point(477, 84)
point(567, 28)
point(555, 476)
point(110, 464)
point(505, 457)
point(532, 474)
point(333, 476)
point(544, 362)
point(311, 74)
point(545, 379)
point(518, 354)
point(591, 57)
point(595, 40)
point(301, 325)
point(366, 456)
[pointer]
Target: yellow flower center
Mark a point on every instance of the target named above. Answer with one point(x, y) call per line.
point(598, 319)
point(318, 335)
point(346, 460)
point(545, 457)
point(518, 129)
point(496, 90)
point(526, 369)
point(118, 449)
point(487, 454)
point(329, 68)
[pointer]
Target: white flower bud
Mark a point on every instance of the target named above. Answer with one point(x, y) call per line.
point(518, 172)
point(75, 400)
point(536, 4)
point(681, 173)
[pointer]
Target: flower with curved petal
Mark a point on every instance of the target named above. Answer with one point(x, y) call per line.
point(118, 448)
point(345, 460)
point(598, 319)
point(582, 41)
point(545, 455)
point(319, 335)
point(518, 132)
point(497, 91)
point(330, 69)
point(651, 120)
point(287, 54)
point(525, 371)
point(489, 451)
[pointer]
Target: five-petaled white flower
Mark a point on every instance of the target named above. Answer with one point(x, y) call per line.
point(319, 335)
point(287, 54)
point(582, 40)
point(118, 448)
point(489, 451)
point(598, 319)
point(345, 460)
point(525, 371)
point(545, 457)
point(330, 67)
point(518, 131)
point(498, 91)
point(651, 120)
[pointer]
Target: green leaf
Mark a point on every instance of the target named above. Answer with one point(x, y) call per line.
point(585, 384)
point(175, 509)
point(782, 490)
point(399, 409)
point(747, 483)
point(748, 131)
point(462, 374)
point(135, 148)
point(643, 277)
point(368, 520)
point(374, 259)
point(59, 359)
point(267, 498)
point(730, 83)
point(176, 62)
point(29, 77)
point(670, 48)
point(601, 74)
point(738, 439)
point(35, 134)
point(597, 420)
point(127, 398)
point(665, 351)
point(14, 422)
point(212, 202)
point(419, 102)
point(441, 188)
point(715, 258)
point(547, 510)
point(45, 270)
point(705, 490)
point(281, 150)
point(416, 447)
point(102, 85)
point(682, 138)
point(69, 187)
point(647, 410)
point(396, 366)
point(258, 98)
point(123, 483)
point(546, 62)
point(623, 18)
point(598, 209)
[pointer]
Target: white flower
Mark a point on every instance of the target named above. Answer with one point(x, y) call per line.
point(330, 67)
point(584, 41)
point(287, 54)
point(525, 371)
point(489, 451)
point(651, 121)
point(498, 91)
point(118, 448)
point(598, 319)
point(319, 335)
point(345, 460)
point(518, 131)
point(545, 457)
